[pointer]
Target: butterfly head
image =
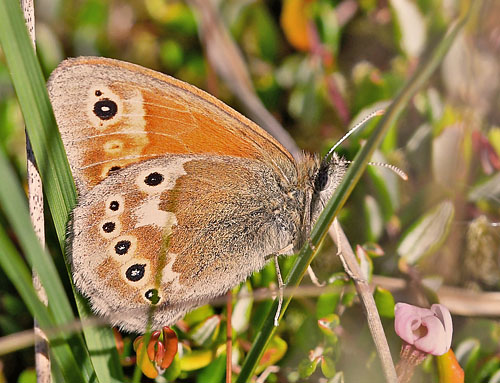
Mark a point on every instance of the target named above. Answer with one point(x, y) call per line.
point(328, 177)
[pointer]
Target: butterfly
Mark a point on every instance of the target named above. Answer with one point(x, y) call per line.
point(181, 198)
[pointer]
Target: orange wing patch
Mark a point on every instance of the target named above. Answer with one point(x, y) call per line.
point(112, 114)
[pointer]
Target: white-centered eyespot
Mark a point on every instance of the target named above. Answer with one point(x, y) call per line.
point(123, 248)
point(152, 296)
point(110, 228)
point(136, 272)
point(157, 179)
point(114, 205)
point(104, 107)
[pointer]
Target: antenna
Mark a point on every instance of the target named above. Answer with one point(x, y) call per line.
point(360, 124)
point(394, 168)
point(376, 113)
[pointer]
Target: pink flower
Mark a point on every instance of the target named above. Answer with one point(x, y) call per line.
point(429, 330)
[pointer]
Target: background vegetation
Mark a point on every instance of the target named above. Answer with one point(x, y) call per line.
point(316, 65)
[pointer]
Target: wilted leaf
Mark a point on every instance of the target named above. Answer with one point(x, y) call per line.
point(375, 223)
point(204, 333)
point(275, 350)
point(365, 263)
point(242, 309)
point(447, 157)
point(488, 190)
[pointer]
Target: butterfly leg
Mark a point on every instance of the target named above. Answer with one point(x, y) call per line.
point(280, 287)
point(314, 278)
point(310, 271)
point(339, 252)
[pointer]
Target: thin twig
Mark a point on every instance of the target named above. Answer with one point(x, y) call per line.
point(35, 200)
point(365, 293)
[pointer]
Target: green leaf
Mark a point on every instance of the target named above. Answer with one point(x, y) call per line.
point(198, 315)
point(327, 326)
point(27, 376)
point(494, 138)
point(468, 354)
point(328, 367)
point(274, 351)
point(488, 369)
point(174, 370)
point(214, 372)
point(427, 234)
point(196, 359)
point(385, 302)
point(307, 367)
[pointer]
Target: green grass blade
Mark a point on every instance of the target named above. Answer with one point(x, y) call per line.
point(53, 166)
point(30, 88)
point(20, 276)
point(342, 193)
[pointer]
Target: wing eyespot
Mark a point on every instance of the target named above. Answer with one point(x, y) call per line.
point(109, 227)
point(105, 109)
point(122, 247)
point(136, 272)
point(114, 205)
point(154, 179)
point(152, 296)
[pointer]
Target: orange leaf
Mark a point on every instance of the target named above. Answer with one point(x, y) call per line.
point(448, 368)
point(170, 342)
point(147, 366)
point(294, 23)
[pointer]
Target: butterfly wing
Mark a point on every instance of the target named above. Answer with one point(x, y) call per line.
point(174, 232)
point(112, 114)
point(181, 197)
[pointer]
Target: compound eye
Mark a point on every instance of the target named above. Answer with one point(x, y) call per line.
point(321, 179)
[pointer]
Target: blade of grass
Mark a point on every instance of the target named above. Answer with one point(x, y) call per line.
point(13, 202)
point(20, 276)
point(342, 193)
point(51, 159)
point(37, 112)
